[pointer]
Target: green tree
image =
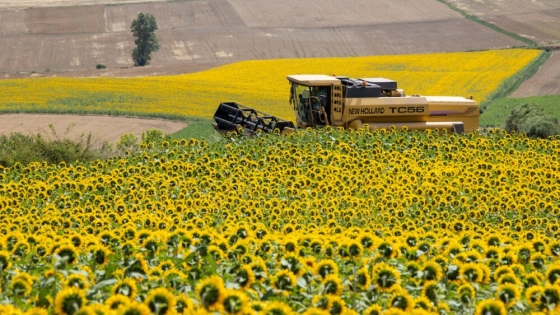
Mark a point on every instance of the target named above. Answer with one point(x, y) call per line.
point(143, 28)
point(533, 120)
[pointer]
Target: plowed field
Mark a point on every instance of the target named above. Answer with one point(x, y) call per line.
point(538, 20)
point(545, 82)
point(195, 35)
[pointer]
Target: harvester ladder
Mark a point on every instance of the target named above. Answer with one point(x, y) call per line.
point(336, 99)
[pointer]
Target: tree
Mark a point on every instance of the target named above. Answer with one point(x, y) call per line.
point(533, 120)
point(143, 29)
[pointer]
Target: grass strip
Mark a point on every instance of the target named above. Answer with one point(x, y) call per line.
point(497, 115)
point(493, 27)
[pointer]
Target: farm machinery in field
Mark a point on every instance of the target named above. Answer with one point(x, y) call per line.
point(375, 103)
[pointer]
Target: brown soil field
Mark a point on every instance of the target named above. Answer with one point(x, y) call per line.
point(102, 128)
point(545, 82)
point(538, 20)
point(197, 35)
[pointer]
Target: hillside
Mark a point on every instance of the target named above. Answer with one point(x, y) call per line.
point(195, 35)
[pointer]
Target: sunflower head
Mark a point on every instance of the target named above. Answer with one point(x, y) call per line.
point(126, 287)
point(385, 277)
point(160, 301)
point(69, 301)
point(210, 292)
point(491, 307)
point(508, 293)
point(277, 308)
point(134, 308)
point(332, 285)
point(235, 302)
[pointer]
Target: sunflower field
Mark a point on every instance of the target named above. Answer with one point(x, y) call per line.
point(260, 84)
point(319, 222)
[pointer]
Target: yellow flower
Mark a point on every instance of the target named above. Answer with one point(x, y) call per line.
point(210, 292)
point(385, 277)
point(69, 301)
point(508, 293)
point(235, 302)
point(134, 308)
point(160, 301)
point(126, 287)
point(332, 285)
point(491, 307)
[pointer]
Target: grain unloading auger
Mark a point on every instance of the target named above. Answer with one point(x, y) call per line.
point(375, 103)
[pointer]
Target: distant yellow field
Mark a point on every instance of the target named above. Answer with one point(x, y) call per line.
point(261, 84)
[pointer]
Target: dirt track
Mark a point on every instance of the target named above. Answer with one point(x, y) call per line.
point(102, 128)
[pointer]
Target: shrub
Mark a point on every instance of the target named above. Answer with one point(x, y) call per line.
point(154, 137)
point(128, 142)
point(100, 66)
point(532, 120)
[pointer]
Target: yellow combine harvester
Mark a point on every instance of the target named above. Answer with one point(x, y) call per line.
point(321, 100)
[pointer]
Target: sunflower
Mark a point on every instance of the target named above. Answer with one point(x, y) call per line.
point(78, 281)
point(100, 254)
point(126, 287)
point(553, 274)
point(423, 303)
point(210, 292)
point(277, 308)
point(259, 269)
point(20, 287)
point(533, 295)
point(160, 301)
point(115, 301)
point(10, 310)
point(394, 311)
point(34, 311)
point(235, 302)
point(101, 309)
point(337, 305)
point(332, 285)
point(373, 309)
point(466, 293)
point(550, 297)
point(491, 307)
point(86, 310)
point(134, 308)
point(184, 304)
point(362, 279)
point(67, 252)
point(137, 265)
point(432, 271)
point(69, 301)
point(245, 277)
point(402, 300)
point(508, 293)
point(471, 272)
point(315, 311)
point(283, 280)
point(326, 267)
point(385, 277)
point(430, 291)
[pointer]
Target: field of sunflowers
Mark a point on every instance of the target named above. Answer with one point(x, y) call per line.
point(319, 222)
point(260, 84)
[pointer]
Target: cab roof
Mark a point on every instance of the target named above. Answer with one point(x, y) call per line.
point(313, 79)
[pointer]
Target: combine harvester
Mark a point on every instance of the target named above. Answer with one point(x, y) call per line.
point(376, 103)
